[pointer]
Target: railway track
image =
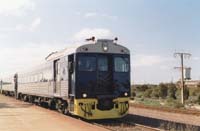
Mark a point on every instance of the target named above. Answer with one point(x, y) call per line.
point(165, 118)
point(161, 124)
point(122, 125)
point(180, 111)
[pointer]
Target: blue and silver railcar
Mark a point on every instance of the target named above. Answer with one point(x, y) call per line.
point(92, 81)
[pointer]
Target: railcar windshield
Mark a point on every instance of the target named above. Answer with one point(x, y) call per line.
point(121, 64)
point(102, 63)
point(102, 74)
point(87, 63)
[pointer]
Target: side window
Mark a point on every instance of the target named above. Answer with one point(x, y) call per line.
point(102, 63)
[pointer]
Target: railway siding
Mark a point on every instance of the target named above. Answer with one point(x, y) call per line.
point(164, 119)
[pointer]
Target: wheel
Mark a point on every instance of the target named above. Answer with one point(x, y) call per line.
point(61, 106)
point(51, 104)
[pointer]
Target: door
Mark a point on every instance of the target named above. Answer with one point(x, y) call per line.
point(104, 75)
point(1, 85)
point(16, 85)
point(71, 82)
point(57, 82)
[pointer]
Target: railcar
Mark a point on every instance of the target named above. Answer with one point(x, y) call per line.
point(92, 81)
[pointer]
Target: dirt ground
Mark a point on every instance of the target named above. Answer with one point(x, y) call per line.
point(20, 116)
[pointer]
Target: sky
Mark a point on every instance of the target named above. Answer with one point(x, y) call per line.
point(153, 30)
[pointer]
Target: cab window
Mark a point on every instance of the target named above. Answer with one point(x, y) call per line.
point(121, 64)
point(87, 63)
point(102, 64)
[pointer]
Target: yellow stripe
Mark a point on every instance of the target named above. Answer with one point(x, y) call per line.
point(83, 108)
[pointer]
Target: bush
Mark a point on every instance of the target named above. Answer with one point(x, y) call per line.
point(198, 85)
point(174, 103)
point(197, 91)
point(133, 91)
point(147, 93)
point(191, 100)
point(163, 90)
point(142, 88)
point(172, 91)
point(178, 93)
point(133, 94)
point(139, 95)
point(155, 93)
point(193, 92)
point(198, 100)
point(186, 93)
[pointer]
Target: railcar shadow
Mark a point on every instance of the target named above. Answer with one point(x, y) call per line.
point(15, 105)
point(112, 122)
point(161, 124)
point(4, 105)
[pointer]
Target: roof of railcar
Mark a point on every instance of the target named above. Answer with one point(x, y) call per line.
point(95, 46)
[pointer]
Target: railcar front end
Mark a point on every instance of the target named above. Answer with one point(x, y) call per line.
point(102, 80)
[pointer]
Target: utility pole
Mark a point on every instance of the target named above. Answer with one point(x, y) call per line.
point(182, 56)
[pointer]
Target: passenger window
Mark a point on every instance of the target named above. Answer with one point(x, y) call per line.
point(102, 64)
point(87, 63)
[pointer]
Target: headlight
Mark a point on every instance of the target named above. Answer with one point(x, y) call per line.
point(84, 95)
point(105, 48)
point(125, 94)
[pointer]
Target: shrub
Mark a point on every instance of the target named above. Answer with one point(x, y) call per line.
point(174, 103)
point(139, 95)
point(198, 100)
point(133, 94)
point(172, 91)
point(133, 91)
point(193, 92)
point(163, 90)
point(142, 88)
point(186, 93)
point(197, 91)
point(178, 93)
point(155, 93)
point(147, 93)
point(198, 85)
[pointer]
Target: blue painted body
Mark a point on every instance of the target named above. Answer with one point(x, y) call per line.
point(102, 83)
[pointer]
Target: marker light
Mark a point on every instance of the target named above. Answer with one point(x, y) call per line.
point(105, 48)
point(125, 94)
point(84, 95)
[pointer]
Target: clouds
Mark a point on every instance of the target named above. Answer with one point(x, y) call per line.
point(90, 14)
point(15, 14)
point(15, 7)
point(149, 60)
point(35, 24)
point(24, 27)
point(16, 59)
point(32, 27)
point(152, 68)
point(99, 15)
point(89, 32)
